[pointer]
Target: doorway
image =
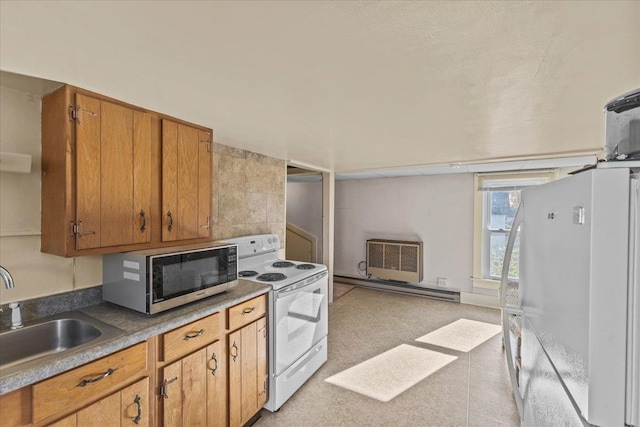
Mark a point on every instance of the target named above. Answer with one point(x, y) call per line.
point(304, 215)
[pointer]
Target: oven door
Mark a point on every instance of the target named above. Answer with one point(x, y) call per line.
point(301, 320)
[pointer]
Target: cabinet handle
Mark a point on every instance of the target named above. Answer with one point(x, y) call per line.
point(84, 383)
point(170, 227)
point(196, 335)
point(248, 310)
point(234, 355)
point(144, 221)
point(138, 417)
point(215, 368)
point(163, 388)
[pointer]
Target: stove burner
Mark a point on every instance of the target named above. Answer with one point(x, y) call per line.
point(282, 264)
point(271, 277)
point(305, 266)
point(248, 273)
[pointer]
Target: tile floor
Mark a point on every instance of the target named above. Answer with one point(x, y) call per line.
point(473, 390)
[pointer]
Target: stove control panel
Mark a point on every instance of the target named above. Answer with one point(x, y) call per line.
point(256, 245)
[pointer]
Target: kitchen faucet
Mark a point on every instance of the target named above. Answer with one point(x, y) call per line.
point(16, 316)
point(6, 276)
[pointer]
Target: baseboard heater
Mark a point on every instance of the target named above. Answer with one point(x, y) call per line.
point(404, 288)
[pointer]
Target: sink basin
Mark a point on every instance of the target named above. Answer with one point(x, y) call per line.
point(50, 337)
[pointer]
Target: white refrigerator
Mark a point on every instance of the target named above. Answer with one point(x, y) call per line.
point(579, 300)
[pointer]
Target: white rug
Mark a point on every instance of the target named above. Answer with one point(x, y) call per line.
point(387, 375)
point(462, 335)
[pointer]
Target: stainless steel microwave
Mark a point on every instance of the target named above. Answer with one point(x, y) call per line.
point(154, 280)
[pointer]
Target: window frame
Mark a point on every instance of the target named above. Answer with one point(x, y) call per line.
point(481, 250)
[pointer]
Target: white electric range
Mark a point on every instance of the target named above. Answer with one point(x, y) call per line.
point(298, 310)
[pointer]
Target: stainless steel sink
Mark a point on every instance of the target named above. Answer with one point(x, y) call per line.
point(48, 338)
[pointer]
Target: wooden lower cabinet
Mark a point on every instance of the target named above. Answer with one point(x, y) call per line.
point(128, 407)
point(248, 373)
point(15, 408)
point(211, 372)
point(193, 389)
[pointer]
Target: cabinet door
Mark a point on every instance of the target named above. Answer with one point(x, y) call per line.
point(171, 391)
point(128, 407)
point(261, 356)
point(141, 223)
point(194, 386)
point(88, 172)
point(249, 366)
point(188, 165)
point(235, 379)
point(205, 148)
point(116, 181)
point(105, 412)
point(186, 182)
point(247, 372)
point(216, 386)
point(194, 389)
point(113, 174)
point(169, 180)
point(134, 404)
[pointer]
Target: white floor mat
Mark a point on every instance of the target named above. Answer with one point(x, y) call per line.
point(387, 375)
point(462, 335)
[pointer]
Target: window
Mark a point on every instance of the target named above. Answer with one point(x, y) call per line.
point(501, 199)
point(496, 203)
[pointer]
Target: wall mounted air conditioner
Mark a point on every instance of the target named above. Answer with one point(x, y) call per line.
point(395, 260)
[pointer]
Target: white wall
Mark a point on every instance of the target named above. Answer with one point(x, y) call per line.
point(437, 210)
point(304, 208)
point(35, 274)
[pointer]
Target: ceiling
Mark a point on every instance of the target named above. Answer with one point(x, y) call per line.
point(348, 86)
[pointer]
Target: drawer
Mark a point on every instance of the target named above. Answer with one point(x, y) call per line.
point(193, 336)
point(246, 312)
point(89, 382)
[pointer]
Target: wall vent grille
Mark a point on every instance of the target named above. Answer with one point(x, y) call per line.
point(395, 260)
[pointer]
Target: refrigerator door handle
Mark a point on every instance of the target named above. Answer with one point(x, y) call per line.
point(508, 311)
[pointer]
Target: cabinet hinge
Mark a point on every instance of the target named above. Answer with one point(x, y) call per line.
point(208, 224)
point(74, 229)
point(163, 387)
point(208, 144)
point(76, 114)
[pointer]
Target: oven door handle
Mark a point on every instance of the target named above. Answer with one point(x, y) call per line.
point(296, 287)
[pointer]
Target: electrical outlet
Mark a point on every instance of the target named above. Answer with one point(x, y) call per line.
point(442, 282)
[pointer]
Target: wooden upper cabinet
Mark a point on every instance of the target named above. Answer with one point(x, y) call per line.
point(88, 173)
point(186, 182)
point(205, 152)
point(113, 174)
point(118, 178)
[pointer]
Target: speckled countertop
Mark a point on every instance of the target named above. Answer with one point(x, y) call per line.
point(137, 327)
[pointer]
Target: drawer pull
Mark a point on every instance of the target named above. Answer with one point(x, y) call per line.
point(84, 383)
point(215, 367)
point(248, 310)
point(196, 335)
point(235, 355)
point(136, 420)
